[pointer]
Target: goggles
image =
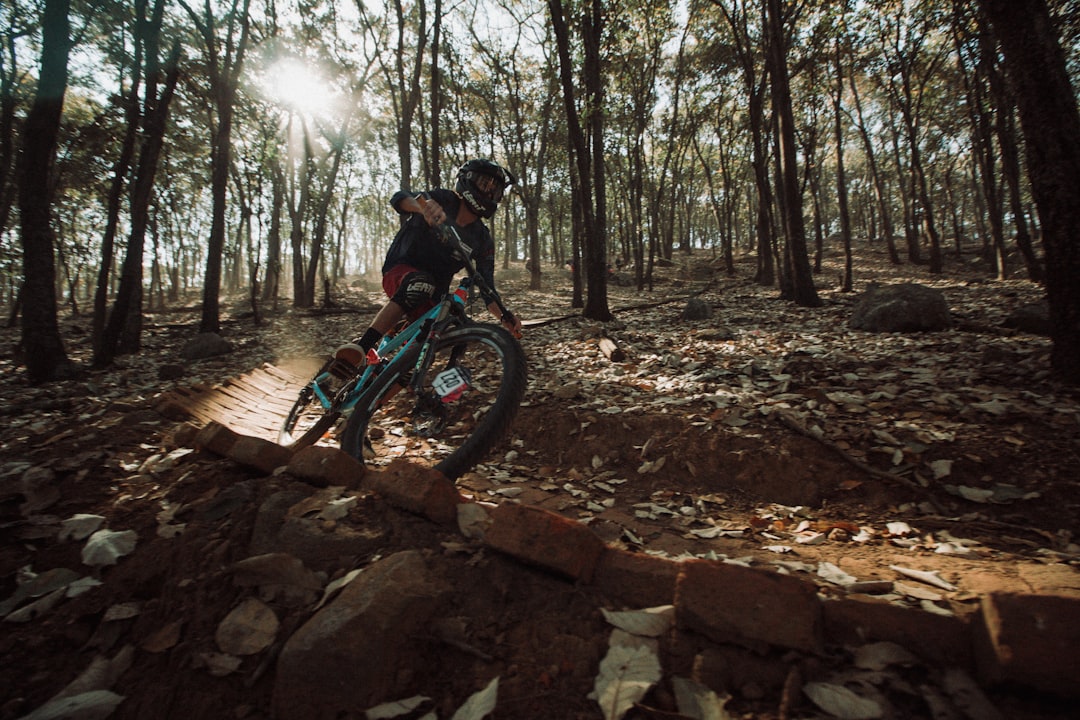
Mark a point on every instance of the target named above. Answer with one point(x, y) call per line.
point(488, 186)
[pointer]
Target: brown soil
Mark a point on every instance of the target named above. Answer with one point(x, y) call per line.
point(725, 465)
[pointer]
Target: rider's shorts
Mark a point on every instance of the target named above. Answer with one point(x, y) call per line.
point(412, 289)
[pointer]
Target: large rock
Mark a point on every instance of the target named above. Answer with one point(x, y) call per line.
point(205, 345)
point(1033, 319)
point(733, 604)
point(908, 307)
point(1033, 640)
point(280, 529)
point(356, 652)
point(696, 309)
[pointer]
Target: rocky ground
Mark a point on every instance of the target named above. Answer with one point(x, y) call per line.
point(765, 434)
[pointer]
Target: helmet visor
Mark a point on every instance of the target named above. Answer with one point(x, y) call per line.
point(490, 188)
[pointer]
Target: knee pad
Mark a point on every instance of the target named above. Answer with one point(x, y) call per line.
point(417, 289)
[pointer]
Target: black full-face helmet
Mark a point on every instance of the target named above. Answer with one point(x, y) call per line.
point(481, 184)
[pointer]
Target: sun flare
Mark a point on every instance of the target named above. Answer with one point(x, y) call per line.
point(299, 87)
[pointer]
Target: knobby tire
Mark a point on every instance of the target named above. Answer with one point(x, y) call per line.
point(474, 423)
point(313, 420)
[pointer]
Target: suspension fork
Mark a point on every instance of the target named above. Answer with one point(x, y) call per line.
point(432, 334)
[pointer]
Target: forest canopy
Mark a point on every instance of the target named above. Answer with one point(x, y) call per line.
point(210, 146)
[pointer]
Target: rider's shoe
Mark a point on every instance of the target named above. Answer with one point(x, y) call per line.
point(342, 367)
point(347, 360)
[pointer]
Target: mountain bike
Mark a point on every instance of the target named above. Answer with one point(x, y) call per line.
point(443, 389)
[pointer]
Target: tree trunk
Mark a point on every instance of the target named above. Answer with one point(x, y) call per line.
point(841, 177)
point(981, 113)
point(225, 61)
point(766, 270)
point(303, 294)
point(796, 259)
point(322, 211)
point(880, 196)
point(588, 160)
point(272, 276)
point(1036, 67)
point(220, 157)
point(124, 328)
point(405, 86)
point(132, 119)
point(9, 77)
point(1005, 130)
point(1010, 168)
point(46, 358)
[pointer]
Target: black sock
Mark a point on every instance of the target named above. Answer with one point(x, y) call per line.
point(370, 339)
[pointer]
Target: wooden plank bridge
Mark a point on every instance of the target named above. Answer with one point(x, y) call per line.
point(254, 403)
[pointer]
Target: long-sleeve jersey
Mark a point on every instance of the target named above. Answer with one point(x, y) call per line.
point(419, 245)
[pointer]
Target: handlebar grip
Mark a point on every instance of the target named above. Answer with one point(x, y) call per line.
point(509, 318)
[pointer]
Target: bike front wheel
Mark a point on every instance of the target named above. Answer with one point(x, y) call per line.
point(309, 419)
point(457, 412)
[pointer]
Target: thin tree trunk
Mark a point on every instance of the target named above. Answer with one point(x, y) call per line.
point(272, 276)
point(124, 328)
point(322, 212)
point(132, 118)
point(841, 177)
point(224, 64)
point(880, 196)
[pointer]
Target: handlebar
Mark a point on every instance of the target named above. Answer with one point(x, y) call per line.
point(450, 235)
point(453, 238)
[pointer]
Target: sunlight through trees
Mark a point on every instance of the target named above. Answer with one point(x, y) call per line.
point(762, 131)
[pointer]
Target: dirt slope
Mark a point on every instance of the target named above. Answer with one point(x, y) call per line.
point(766, 433)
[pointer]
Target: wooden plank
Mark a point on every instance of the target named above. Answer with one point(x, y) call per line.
point(270, 386)
point(257, 403)
point(244, 394)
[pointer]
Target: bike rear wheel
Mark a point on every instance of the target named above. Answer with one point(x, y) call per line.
point(465, 405)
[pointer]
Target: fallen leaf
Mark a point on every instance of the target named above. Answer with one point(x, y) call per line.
point(250, 628)
point(336, 585)
point(979, 495)
point(337, 508)
point(626, 675)
point(105, 547)
point(480, 704)
point(649, 622)
point(38, 585)
point(164, 638)
point(830, 572)
point(94, 705)
point(842, 703)
point(80, 526)
point(898, 529)
point(219, 664)
point(930, 577)
point(968, 696)
point(37, 608)
point(394, 709)
point(941, 468)
point(880, 655)
point(699, 702)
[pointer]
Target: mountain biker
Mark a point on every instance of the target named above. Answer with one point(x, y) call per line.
point(419, 266)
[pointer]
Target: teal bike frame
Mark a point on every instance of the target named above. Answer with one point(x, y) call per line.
point(408, 357)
